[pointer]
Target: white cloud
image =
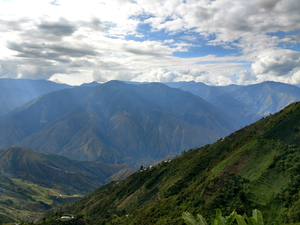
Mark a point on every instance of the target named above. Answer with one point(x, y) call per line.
point(277, 62)
point(168, 41)
point(87, 40)
point(295, 78)
point(245, 77)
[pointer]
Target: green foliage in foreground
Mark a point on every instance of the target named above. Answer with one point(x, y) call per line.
point(256, 219)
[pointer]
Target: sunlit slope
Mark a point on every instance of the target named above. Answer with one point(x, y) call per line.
point(255, 167)
point(116, 123)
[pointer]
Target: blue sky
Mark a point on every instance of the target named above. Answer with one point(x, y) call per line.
point(217, 42)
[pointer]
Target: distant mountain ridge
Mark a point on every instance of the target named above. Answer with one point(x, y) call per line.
point(246, 104)
point(250, 103)
point(15, 92)
point(115, 123)
point(202, 90)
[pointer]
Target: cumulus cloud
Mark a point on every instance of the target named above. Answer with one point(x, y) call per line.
point(295, 78)
point(8, 69)
point(224, 16)
point(50, 51)
point(245, 77)
point(158, 75)
point(57, 28)
point(104, 75)
point(277, 62)
point(34, 69)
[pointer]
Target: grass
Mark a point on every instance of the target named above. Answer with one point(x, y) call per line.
point(259, 160)
point(231, 159)
point(263, 189)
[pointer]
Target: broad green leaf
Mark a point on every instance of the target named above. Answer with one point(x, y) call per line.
point(189, 219)
point(221, 220)
point(218, 213)
point(201, 220)
point(252, 221)
point(258, 217)
point(214, 221)
point(231, 218)
point(240, 220)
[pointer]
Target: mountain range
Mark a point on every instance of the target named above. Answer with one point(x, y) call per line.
point(115, 123)
point(246, 104)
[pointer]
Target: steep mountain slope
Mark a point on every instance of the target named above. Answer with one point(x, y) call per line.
point(250, 103)
point(116, 123)
point(254, 167)
point(15, 92)
point(32, 117)
point(202, 90)
point(32, 182)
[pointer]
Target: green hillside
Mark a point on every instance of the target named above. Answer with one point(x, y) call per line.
point(255, 167)
point(32, 182)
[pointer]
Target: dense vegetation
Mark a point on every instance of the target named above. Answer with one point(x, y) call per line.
point(255, 167)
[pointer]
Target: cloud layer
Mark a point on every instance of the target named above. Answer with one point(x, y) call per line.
point(216, 42)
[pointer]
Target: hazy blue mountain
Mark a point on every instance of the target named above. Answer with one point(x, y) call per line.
point(202, 90)
point(116, 123)
point(15, 92)
point(38, 113)
point(92, 84)
point(248, 104)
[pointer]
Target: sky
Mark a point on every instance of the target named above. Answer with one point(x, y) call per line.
point(218, 42)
